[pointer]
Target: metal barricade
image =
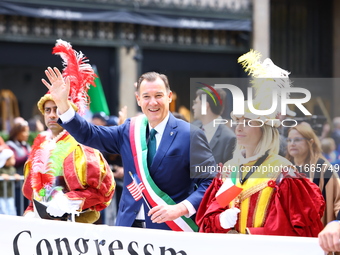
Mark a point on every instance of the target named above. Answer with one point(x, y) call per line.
point(18, 197)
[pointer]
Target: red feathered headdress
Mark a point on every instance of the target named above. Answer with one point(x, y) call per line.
point(80, 73)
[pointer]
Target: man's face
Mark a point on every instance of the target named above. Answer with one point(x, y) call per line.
point(51, 117)
point(196, 107)
point(154, 100)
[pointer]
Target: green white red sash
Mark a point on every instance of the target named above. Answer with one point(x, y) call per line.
point(152, 193)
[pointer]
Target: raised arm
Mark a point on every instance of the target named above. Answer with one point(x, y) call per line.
point(59, 88)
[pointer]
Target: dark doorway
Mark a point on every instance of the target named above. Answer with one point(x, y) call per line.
point(22, 67)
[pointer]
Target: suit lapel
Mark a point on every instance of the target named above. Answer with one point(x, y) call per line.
point(215, 138)
point(169, 135)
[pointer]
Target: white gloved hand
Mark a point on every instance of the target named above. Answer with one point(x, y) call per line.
point(29, 215)
point(229, 217)
point(60, 205)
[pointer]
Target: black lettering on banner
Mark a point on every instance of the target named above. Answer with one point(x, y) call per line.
point(84, 244)
point(67, 246)
point(172, 251)
point(146, 252)
point(111, 249)
point(15, 241)
point(48, 246)
point(102, 243)
point(130, 248)
point(81, 245)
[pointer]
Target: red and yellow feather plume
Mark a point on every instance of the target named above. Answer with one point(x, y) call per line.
point(79, 71)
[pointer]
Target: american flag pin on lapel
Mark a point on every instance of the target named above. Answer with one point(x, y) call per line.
point(171, 133)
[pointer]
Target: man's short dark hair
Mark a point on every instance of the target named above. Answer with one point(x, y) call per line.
point(215, 108)
point(152, 76)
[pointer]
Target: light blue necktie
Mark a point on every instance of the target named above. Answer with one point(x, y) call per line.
point(151, 146)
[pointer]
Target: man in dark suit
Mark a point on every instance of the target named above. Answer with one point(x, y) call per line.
point(221, 138)
point(175, 180)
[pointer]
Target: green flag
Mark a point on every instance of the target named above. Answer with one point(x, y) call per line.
point(98, 101)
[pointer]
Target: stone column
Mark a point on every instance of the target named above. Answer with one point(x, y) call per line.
point(128, 75)
point(336, 58)
point(261, 27)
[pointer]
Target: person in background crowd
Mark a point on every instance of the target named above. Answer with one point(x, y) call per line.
point(100, 119)
point(304, 150)
point(272, 198)
point(179, 116)
point(325, 130)
point(328, 149)
point(165, 172)
point(36, 125)
point(18, 119)
point(3, 145)
point(283, 131)
point(7, 169)
point(220, 137)
point(17, 142)
point(336, 132)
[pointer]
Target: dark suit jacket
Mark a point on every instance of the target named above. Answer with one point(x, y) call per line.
point(182, 150)
point(223, 144)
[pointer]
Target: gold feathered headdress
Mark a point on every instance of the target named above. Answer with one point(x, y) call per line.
point(266, 77)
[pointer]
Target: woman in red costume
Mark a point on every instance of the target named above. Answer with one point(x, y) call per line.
point(274, 199)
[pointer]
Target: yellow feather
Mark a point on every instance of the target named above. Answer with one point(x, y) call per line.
point(266, 77)
point(251, 63)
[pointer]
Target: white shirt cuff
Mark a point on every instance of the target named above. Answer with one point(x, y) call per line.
point(190, 208)
point(140, 214)
point(67, 116)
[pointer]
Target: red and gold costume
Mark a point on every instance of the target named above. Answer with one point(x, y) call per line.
point(276, 202)
point(62, 164)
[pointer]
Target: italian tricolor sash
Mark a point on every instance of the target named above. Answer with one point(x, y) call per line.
point(152, 193)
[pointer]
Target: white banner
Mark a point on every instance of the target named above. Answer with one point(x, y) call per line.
point(21, 236)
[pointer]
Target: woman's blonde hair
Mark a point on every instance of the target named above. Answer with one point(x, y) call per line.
point(270, 141)
point(313, 142)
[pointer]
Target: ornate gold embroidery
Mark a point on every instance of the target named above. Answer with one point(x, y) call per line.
point(252, 190)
